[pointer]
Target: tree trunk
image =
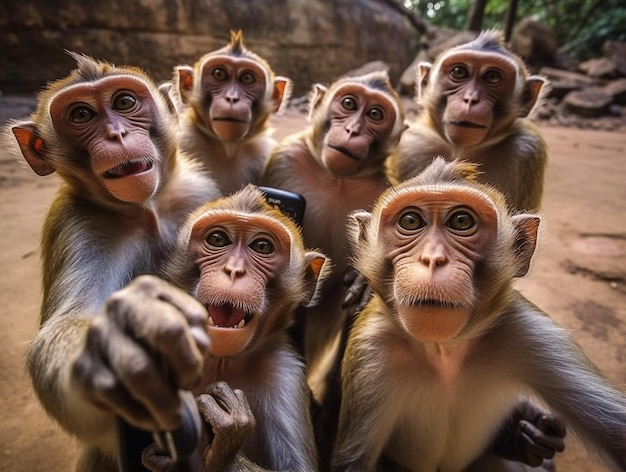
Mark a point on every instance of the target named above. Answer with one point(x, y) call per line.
point(511, 17)
point(475, 18)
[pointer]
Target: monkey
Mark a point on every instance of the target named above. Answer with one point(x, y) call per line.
point(446, 346)
point(125, 191)
point(474, 104)
point(338, 165)
point(225, 101)
point(246, 265)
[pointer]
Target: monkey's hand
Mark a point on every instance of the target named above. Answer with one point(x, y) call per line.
point(231, 420)
point(147, 344)
point(530, 436)
point(358, 291)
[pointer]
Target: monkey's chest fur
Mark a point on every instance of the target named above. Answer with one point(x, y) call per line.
point(446, 405)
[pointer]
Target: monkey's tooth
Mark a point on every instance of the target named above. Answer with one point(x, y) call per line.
point(241, 324)
point(211, 322)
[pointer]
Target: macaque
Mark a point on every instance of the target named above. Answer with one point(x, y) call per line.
point(338, 165)
point(474, 102)
point(245, 262)
point(446, 347)
point(226, 100)
point(125, 192)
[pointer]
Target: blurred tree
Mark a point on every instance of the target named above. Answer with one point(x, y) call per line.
point(582, 26)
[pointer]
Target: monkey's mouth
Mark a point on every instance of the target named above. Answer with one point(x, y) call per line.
point(228, 316)
point(467, 124)
point(345, 151)
point(434, 303)
point(131, 167)
point(231, 119)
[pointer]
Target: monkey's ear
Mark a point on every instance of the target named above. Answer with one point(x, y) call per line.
point(316, 99)
point(281, 93)
point(184, 82)
point(530, 94)
point(318, 269)
point(33, 147)
point(165, 89)
point(421, 80)
point(358, 222)
point(527, 227)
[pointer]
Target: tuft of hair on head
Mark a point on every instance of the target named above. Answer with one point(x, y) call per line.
point(236, 42)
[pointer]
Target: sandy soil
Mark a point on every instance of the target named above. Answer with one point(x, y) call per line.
point(578, 276)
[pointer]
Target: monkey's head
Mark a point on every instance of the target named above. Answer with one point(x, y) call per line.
point(441, 250)
point(475, 90)
point(106, 130)
point(355, 124)
point(246, 262)
point(232, 91)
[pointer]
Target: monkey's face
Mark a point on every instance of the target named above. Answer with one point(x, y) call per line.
point(240, 258)
point(478, 88)
point(434, 240)
point(114, 136)
point(360, 122)
point(234, 90)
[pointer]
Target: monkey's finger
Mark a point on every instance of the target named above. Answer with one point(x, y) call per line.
point(155, 460)
point(538, 442)
point(194, 312)
point(142, 376)
point(164, 331)
point(552, 426)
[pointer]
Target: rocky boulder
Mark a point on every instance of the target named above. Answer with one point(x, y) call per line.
point(308, 41)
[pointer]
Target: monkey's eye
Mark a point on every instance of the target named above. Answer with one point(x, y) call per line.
point(411, 221)
point(493, 76)
point(81, 114)
point(124, 101)
point(218, 239)
point(459, 72)
point(376, 114)
point(219, 73)
point(349, 103)
point(262, 246)
point(247, 78)
point(462, 221)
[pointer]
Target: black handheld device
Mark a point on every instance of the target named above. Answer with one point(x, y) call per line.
point(290, 203)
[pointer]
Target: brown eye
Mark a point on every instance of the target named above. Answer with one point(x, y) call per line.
point(459, 73)
point(376, 114)
point(493, 76)
point(349, 103)
point(247, 78)
point(411, 221)
point(219, 73)
point(262, 246)
point(124, 101)
point(461, 221)
point(218, 239)
point(81, 114)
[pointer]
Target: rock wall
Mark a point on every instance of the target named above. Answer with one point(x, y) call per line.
point(307, 40)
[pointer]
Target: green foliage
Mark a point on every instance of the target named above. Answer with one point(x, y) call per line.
point(581, 26)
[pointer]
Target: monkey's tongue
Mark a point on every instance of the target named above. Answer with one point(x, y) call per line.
point(226, 316)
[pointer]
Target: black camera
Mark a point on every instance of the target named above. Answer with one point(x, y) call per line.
point(290, 203)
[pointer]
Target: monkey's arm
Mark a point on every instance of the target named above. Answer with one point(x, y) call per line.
point(366, 417)
point(571, 385)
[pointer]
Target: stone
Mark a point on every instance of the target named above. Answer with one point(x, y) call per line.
point(308, 41)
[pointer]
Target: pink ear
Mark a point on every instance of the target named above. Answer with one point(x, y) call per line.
point(527, 228)
point(530, 94)
point(185, 82)
point(282, 91)
point(33, 148)
point(318, 93)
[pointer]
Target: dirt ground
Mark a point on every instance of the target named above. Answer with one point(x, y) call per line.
point(578, 276)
